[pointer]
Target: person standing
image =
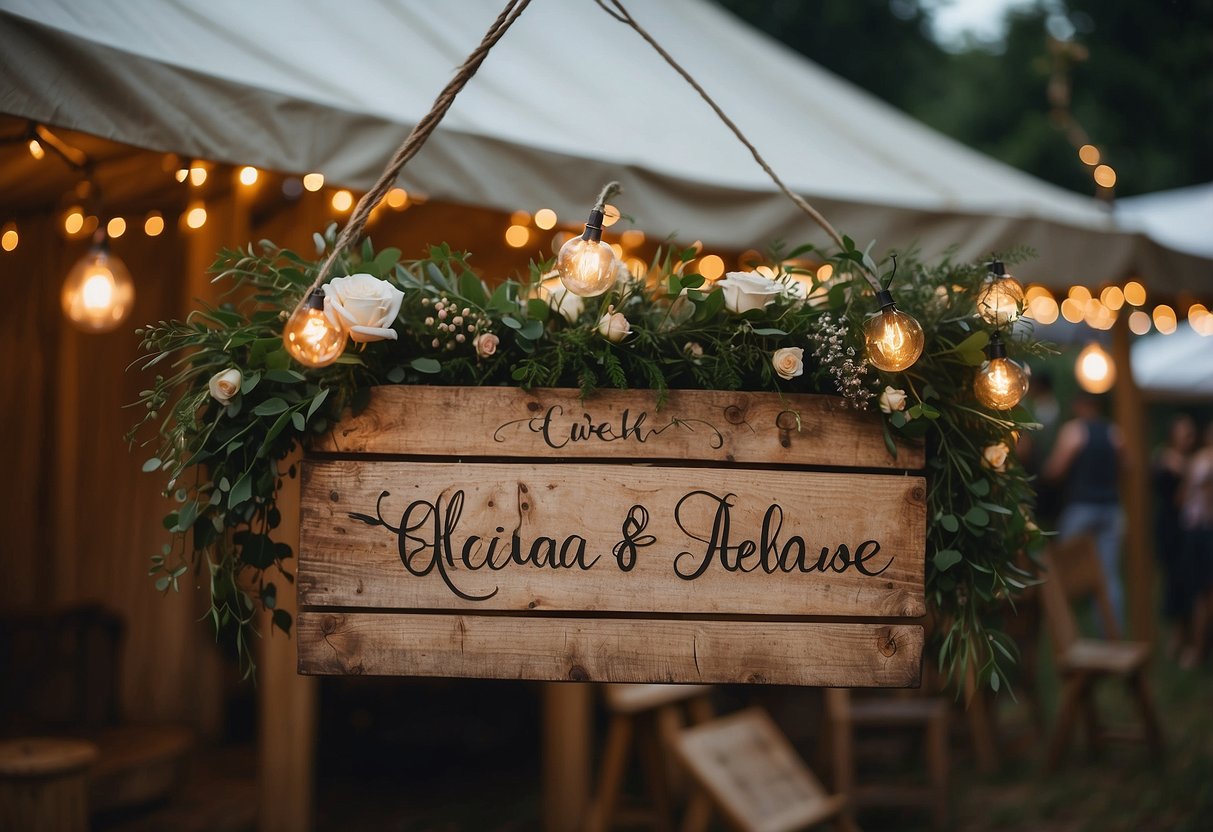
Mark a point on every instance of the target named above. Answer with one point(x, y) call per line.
point(1196, 495)
point(1167, 474)
point(1086, 463)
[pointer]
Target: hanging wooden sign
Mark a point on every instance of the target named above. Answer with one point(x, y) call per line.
point(496, 532)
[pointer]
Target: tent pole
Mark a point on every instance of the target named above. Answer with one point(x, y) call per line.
point(1135, 488)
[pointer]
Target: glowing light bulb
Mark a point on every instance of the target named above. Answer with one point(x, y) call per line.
point(313, 181)
point(249, 176)
point(545, 218)
point(154, 224)
point(894, 340)
point(197, 176)
point(587, 266)
point(310, 337)
point(1001, 300)
point(398, 198)
point(98, 293)
point(1094, 370)
point(1000, 383)
point(9, 237)
point(35, 149)
point(342, 201)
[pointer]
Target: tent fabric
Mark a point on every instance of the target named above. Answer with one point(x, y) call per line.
point(1179, 365)
point(566, 101)
point(1181, 219)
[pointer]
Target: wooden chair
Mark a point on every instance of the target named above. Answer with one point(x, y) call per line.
point(745, 767)
point(645, 717)
point(847, 715)
point(1074, 573)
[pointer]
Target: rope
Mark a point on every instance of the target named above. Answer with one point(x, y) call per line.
point(416, 138)
point(622, 15)
point(609, 191)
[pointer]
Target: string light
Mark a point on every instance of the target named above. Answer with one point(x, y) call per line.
point(1112, 297)
point(1139, 322)
point(73, 223)
point(9, 237)
point(545, 218)
point(36, 149)
point(310, 337)
point(517, 236)
point(587, 266)
point(1105, 177)
point(115, 228)
point(313, 181)
point(1135, 293)
point(195, 217)
point(342, 201)
point(1165, 320)
point(1001, 299)
point(98, 293)
point(711, 266)
point(154, 224)
point(1000, 384)
point(610, 215)
point(632, 237)
point(182, 174)
point(197, 175)
point(249, 176)
point(894, 340)
point(1089, 154)
point(1095, 370)
point(520, 218)
point(1072, 310)
point(398, 199)
point(825, 272)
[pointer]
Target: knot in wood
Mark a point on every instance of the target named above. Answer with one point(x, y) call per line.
point(334, 496)
point(533, 406)
point(918, 494)
point(735, 414)
point(886, 643)
point(328, 625)
point(577, 673)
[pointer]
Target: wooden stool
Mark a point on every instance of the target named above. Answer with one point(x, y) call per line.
point(928, 713)
point(641, 715)
point(43, 786)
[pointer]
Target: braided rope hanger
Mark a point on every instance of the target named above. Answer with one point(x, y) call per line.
point(424, 128)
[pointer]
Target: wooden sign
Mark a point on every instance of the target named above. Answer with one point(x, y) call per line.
point(511, 534)
point(754, 776)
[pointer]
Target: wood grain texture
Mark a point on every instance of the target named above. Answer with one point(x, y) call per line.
point(609, 650)
point(345, 562)
point(707, 425)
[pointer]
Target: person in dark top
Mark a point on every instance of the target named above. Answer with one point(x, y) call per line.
point(1167, 474)
point(1086, 463)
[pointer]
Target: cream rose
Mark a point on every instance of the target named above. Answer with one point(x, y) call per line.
point(744, 291)
point(788, 362)
point(364, 306)
point(693, 350)
point(614, 327)
point(996, 456)
point(892, 399)
point(485, 344)
point(225, 385)
point(562, 301)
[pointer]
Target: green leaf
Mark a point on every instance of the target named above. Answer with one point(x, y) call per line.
point(977, 517)
point(249, 381)
point(426, 365)
point(888, 441)
point(395, 375)
point(241, 491)
point(687, 254)
point(151, 465)
point(277, 360)
point(538, 309)
point(768, 330)
point(282, 620)
point(949, 522)
point(945, 559)
point(162, 583)
point(977, 341)
point(511, 322)
point(270, 407)
point(472, 289)
point(980, 487)
point(298, 421)
point(318, 400)
point(532, 330)
point(693, 281)
point(284, 376)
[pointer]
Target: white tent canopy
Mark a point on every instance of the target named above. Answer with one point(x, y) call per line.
point(1181, 219)
point(566, 101)
point(1179, 365)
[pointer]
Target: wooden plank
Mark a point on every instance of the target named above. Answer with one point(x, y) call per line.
point(754, 775)
point(707, 425)
point(784, 542)
point(609, 650)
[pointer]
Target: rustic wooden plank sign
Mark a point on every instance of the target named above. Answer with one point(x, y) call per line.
point(496, 532)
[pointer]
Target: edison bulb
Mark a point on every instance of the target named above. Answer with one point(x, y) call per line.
point(310, 337)
point(586, 267)
point(98, 293)
point(1095, 370)
point(1001, 301)
point(894, 339)
point(1000, 384)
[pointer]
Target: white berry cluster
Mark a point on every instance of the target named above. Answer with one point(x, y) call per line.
point(451, 326)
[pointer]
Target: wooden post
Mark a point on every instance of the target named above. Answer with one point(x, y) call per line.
point(287, 703)
point(1135, 489)
point(566, 755)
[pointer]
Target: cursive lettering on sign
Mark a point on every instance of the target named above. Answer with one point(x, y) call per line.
point(429, 540)
point(557, 433)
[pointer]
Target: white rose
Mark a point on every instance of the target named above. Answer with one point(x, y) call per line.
point(225, 385)
point(996, 456)
point(562, 301)
point(364, 306)
point(788, 362)
point(744, 291)
point(614, 327)
point(892, 399)
point(693, 350)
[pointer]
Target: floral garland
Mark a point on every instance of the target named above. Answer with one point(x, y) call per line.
point(234, 406)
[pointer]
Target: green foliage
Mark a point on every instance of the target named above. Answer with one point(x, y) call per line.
point(225, 461)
